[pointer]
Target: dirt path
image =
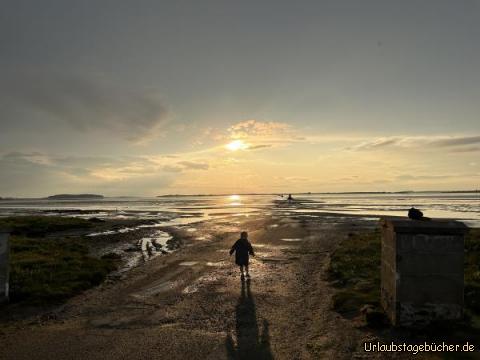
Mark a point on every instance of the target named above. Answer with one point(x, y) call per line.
point(192, 305)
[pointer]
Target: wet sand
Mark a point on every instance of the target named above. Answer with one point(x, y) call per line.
point(192, 304)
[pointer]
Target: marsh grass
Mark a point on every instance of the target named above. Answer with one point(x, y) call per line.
point(41, 225)
point(52, 270)
point(355, 271)
point(47, 267)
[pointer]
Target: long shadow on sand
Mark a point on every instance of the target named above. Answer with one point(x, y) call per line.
point(250, 343)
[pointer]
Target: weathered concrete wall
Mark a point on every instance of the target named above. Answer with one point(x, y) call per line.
point(4, 266)
point(422, 270)
point(388, 274)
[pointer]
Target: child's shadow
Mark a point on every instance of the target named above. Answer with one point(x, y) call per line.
point(250, 344)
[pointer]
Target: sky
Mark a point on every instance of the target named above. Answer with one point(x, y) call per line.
point(138, 97)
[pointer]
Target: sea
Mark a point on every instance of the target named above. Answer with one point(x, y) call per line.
point(178, 210)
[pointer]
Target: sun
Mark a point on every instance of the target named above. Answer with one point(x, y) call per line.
point(236, 145)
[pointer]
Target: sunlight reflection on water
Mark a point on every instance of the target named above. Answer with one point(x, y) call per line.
point(184, 210)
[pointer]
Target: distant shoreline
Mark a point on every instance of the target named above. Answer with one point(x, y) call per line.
point(334, 193)
point(99, 197)
point(75, 197)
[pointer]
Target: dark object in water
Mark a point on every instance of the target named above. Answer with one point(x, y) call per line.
point(415, 214)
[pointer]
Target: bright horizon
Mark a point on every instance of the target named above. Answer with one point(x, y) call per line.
point(235, 98)
point(239, 195)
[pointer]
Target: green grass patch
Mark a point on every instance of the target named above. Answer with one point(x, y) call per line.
point(44, 271)
point(41, 225)
point(355, 270)
point(472, 272)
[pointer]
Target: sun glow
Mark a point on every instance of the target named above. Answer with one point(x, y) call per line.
point(235, 200)
point(236, 145)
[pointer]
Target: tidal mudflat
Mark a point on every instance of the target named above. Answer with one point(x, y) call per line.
point(176, 293)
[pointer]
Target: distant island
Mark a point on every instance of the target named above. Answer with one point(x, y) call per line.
point(75, 197)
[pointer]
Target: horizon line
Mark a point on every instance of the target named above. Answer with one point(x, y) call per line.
point(252, 194)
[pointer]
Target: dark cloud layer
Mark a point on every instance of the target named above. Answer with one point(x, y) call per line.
point(453, 144)
point(458, 141)
point(87, 102)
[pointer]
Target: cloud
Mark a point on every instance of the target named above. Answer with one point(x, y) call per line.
point(351, 178)
point(457, 141)
point(185, 165)
point(256, 128)
point(172, 168)
point(255, 134)
point(38, 174)
point(22, 174)
point(452, 143)
point(86, 102)
point(377, 143)
point(466, 149)
point(31, 157)
point(259, 146)
point(407, 177)
point(194, 165)
point(293, 178)
point(435, 177)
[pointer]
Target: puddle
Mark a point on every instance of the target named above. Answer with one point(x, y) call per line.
point(269, 247)
point(110, 232)
point(292, 240)
point(164, 286)
point(186, 220)
point(208, 278)
point(272, 259)
point(190, 289)
point(148, 226)
point(216, 264)
point(154, 245)
point(188, 263)
point(124, 230)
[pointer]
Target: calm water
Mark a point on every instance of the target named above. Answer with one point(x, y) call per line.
point(183, 210)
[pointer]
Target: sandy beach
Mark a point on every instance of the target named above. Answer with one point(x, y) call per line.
point(192, 304)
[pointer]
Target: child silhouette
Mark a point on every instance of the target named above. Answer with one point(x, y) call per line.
point(242, 249)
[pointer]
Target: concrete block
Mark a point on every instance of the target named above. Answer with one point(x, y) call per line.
point(422, 270)
point(4, 266)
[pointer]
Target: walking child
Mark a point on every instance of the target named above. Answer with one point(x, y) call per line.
point(242, 249)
